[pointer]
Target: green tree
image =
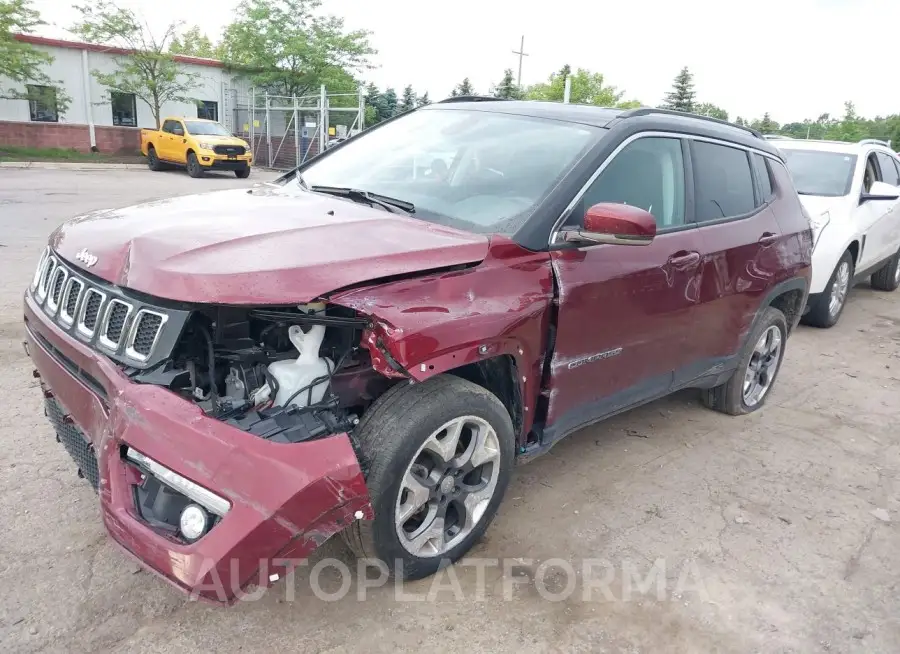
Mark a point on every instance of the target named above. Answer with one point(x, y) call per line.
point(291, 48)
point(766, 125)
point(149, 71)
point(711, 110)
point(587, 88)
point(507, 88)
point(681, 97)
point(740, 121)
point(388, 106)
point(408, 102)
point(423, 100)
point(194, 43)
point(22, 63)
point(463, 88)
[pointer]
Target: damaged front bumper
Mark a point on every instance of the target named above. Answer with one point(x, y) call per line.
point(284, 499)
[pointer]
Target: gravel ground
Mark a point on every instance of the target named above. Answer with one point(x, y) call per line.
point(776, 532)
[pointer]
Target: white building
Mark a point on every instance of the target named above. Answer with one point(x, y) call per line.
point(97, 118)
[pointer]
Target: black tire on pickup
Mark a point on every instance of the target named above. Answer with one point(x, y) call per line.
point(887, 278)
point(193, 166)
point(759, 363)
point(153, 162)
point(243, 173)
point(399, 439)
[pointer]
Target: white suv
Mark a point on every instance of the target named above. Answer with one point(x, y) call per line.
point(852, 194)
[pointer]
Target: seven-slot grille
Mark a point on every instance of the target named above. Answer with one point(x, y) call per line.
point(111, 320)
point(229, 149)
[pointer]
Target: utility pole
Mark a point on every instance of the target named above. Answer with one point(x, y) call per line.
point(521, 54)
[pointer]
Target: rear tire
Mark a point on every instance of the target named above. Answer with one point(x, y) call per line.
point(757, 370)
point(888, 277)
point(827, 308)
point(193, 166)
point(153, 162)
point(400, 438)
point(242, 174)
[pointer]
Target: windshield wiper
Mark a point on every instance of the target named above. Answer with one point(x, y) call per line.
point(387, 203)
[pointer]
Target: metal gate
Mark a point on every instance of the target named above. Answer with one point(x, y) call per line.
point(285, 131)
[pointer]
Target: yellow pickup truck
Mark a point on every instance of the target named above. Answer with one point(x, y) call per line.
point(199, 145)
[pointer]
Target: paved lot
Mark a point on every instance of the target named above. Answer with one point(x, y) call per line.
point(777, 532)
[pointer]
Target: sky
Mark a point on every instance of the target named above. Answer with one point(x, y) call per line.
point(795, 59)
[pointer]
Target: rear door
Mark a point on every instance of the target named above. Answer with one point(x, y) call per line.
point(625, 312)
point(740, 240)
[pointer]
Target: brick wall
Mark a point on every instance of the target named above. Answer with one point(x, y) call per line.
point(63, 135)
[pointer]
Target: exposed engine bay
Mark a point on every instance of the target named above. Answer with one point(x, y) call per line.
point(284, 374)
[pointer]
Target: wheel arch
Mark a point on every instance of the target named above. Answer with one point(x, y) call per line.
point(499, 376)
point(853, 249)
point(789, 297)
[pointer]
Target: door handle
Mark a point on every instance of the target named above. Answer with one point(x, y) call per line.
point(768, 238)
point(683, 259)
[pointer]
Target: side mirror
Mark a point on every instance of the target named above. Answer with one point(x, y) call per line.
point(615, 224)
point(880, 191)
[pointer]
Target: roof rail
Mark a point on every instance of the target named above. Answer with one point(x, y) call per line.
point(471, 98)
point(778, 137)
point(874, 142)
point(649, 111)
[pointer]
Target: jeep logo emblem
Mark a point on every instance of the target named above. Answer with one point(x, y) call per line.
point(85, 257)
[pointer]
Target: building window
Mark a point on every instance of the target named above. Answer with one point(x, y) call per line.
point(124, 109)
point(208, 110)
point(42, 103)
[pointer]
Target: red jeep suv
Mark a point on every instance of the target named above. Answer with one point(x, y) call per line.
point(370, 343)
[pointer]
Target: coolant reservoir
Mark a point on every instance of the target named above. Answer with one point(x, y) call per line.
point(292, 376)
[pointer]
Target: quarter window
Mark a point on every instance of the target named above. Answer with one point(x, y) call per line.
point(763, 178)
point(888, 169)
point(723, 181)
point(648, 173)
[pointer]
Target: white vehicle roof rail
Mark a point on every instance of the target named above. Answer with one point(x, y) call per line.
point(875, 142)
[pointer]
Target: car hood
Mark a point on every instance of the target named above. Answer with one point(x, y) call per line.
point(816, 205)
point(267, 245)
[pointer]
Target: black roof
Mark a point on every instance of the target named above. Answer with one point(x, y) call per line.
point(648, 118)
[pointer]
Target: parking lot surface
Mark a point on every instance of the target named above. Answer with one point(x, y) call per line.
point(775, 532)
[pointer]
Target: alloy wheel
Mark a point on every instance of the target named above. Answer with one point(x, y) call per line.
point(447, 486)
point(839, 288)
point(763, 366)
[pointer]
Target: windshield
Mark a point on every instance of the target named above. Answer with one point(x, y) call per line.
point(474, 170)
point(210, 129)
point(820, 173)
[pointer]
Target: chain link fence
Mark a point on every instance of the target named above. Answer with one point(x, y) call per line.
point(285, 131)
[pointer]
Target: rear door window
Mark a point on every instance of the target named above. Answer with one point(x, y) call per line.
point(169, 126)
point(723, 181)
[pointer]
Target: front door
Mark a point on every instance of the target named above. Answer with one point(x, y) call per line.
point(873, 219)
point(625, 312)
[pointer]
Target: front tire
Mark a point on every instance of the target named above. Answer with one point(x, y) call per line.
point(757, 370)
point(827, 308)
point(437, 458)
point(888, 277)
point(194, 168)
